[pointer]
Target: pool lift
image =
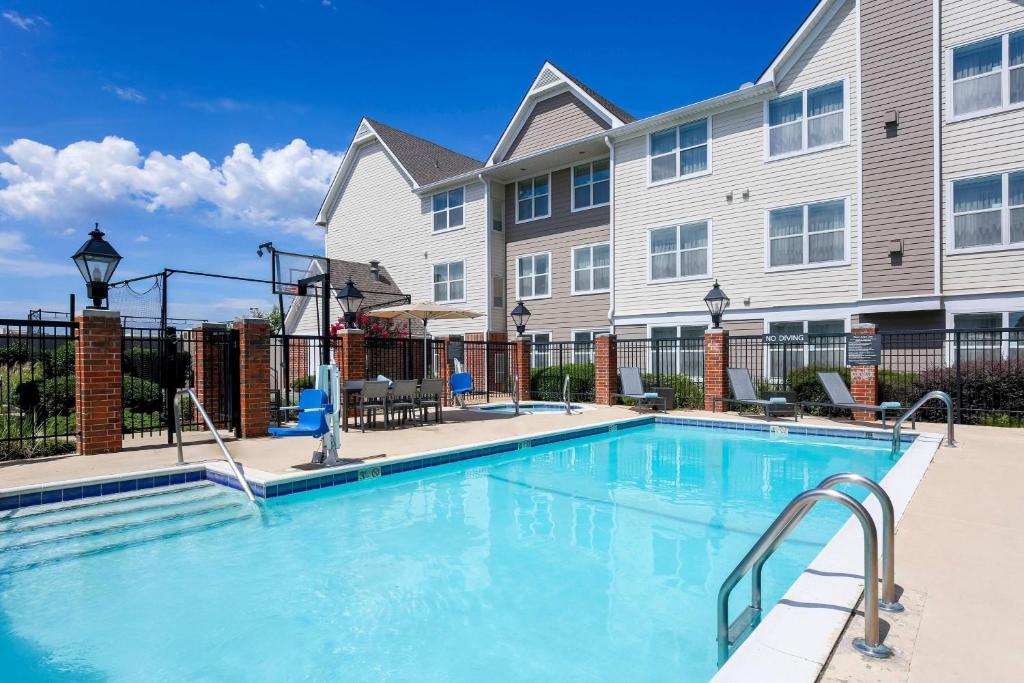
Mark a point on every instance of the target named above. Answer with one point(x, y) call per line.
point(319, 416)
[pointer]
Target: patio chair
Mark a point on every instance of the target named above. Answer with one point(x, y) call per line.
point(403, 399)
point(743, 390)
point(462, 386)
point(431, 391)
point(633, 388)
point(372, 399)
point(840, 396)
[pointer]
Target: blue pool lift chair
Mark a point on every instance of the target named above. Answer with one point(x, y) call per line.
point(313, 409)
point(461, 385)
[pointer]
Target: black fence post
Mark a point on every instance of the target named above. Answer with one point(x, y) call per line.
point(168, 350)
point(959, 378)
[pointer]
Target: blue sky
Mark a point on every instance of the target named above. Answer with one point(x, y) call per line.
point(193, 131)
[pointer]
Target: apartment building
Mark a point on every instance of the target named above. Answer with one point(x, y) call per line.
point(873, 172)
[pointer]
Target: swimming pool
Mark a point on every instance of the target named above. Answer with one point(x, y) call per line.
point(528, 407)
point(595, 558)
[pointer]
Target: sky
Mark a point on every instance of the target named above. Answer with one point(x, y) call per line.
point(194, 131)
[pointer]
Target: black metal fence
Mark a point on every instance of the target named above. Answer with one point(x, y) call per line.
point(676, 363)
point(783, 366)
point(550, 362)
point(491, 364)
point(37, 388)
point(402, 357)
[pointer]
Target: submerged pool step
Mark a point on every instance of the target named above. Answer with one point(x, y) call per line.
point(56, 508)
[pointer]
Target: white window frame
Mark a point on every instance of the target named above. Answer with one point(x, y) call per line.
point(679, 351)
point(804, 149)
point(1005, 244)
point(1004, 341)
point(680, 278)
point(449, 282)
point(447, 211)
point(1004, 80)
point(676, 178)
point(572, 185)
point(845, 261)
point(593, 332)
point(767, 360)
point(550, 197)
point(572, 275)
point(519, 295)
point(533, 347)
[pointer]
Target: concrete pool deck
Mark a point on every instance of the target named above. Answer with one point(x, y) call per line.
point(961, 536)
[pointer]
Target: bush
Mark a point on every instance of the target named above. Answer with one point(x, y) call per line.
point(143, 421)
point(983, 387)
point(546, 383)
point(689, 392)
point(57, 396)
point(14, 353)
point(804, 381)
point(307, 382)
point(26, 395)
point(141, 395)
point(144, 363)
point(39, 449)
point(60, 361)
point(21, 437)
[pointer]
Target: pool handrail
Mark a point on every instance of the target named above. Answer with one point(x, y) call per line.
point(565, 396)
point(871, 644)
point(898, 425)
point(216, 436)
point(515, 392)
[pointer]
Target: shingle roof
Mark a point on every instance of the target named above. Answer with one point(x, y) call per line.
point(618, 111)
point(378, 292)
point(426, 161)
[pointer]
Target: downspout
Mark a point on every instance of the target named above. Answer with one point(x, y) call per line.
point(487, 252)
point(611, 234)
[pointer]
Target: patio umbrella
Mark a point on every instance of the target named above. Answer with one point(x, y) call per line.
point(424, 312)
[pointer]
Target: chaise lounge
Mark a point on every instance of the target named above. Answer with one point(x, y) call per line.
point(840, 396)
point(743, 390)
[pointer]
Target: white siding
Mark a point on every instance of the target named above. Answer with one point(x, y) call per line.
point(379, 217)
point(977, 146)
point(738, 240)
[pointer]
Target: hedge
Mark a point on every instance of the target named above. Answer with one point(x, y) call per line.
point(689, 392)
point(142, 362)
point(546, 383)
point(60, 361)
point(48, 397)
point(142, 396)
point(14, 353)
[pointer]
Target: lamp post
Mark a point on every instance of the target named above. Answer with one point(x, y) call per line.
point(717, 302)
point(520, 315)
point(350, 299)
point(97, 261)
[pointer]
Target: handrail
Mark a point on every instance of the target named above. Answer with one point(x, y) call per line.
point(565, 396)
point(898, 425)
point(216, 436)
point(889, 601)
point(515, 392)
point(871, 643)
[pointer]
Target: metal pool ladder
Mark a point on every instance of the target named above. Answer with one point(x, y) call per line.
point(515, 392)
point(213, 430)
point(898, 425)
point(871, 645)
point(565, 396)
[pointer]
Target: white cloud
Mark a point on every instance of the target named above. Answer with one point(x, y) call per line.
point(23, 22)
point(218, 104)
point(280, 188)
point(68, 232)
point(141, 238)
point(126, 94)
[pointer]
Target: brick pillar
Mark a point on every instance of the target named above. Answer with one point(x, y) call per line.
point(254, 376)
point(444, 370)
point(864, 379)
point(350, 354)
point(98, 408)
point(208, 364)
point(606, 369)
point(716, 361)
point(521, 368)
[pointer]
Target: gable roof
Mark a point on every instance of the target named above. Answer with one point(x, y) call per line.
point(615, 109)
point(426, 162)
point(377, 291)
point(804, 34)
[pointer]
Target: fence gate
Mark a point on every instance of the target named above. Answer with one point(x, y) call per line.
point(491, 364)
point(156, 363)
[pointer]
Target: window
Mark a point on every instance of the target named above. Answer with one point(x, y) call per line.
point(988, 75)
point(533, 198)
point(449, 282)
point(680, 251)
point(807, 235)
point(807, 120)
point(583, 345)
point(533, 276)
point(591, 269)
point(540, 348)
point(591, 185)
point(680, 152)
point(825, 347)
point(677, 350)
point(988, 211)
point(498, 288)
point(447, 207)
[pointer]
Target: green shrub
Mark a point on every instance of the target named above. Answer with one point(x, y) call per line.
point(546, 383)
point(60, 424)
point(14, 353)
point(307, 382)
point(142, 421)
point(804, 381)
point(57, 396)
point(144, 362)
point(21, 437)
point(38, 449)
point(25, 395)
point(141, 395)
point(689, 392)
point(60, 361)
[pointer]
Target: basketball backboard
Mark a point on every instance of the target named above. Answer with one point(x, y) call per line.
point(289, 268)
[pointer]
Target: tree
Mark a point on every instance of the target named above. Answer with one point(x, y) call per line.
point(275, 318)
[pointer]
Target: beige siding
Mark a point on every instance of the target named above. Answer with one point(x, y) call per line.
point(631, 331)
point(553, 121)
point(977, 146)
point(898, 162)
point(562, 312)
point(379, 217)
point(738, 226)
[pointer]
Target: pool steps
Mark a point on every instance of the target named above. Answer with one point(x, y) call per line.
point(71, 530)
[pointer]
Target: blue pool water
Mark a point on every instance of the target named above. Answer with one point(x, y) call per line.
point(527, 407)
point(591, 559)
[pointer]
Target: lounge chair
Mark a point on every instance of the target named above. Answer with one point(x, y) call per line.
point(462, 386)
point(403, 399)
point(743, 390)
point(840, 396)
point(373, 398)
point(633, 388)
point(430, 397)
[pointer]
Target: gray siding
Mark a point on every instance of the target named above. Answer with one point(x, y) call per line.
point(898, 179)
point(553, 121)
point(562, 312)
point(904, 320)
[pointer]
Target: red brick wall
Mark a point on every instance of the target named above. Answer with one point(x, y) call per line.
point(208, 361)
point(521, 368)
point(864, 379)
point(716, 361)
point(350, 354)
point(254, 376)
point(98, 382)
point(606, 379)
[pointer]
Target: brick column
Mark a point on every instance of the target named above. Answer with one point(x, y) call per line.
point(98, 408)
point(864, 379)
point(606, 369)
point(254, 376)
point(521, 368)
point(444, 371)
point(208, 365)
point(350, 354)
point(716, 361)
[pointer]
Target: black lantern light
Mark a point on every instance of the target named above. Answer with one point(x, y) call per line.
point(717, 302)
point(350, 299)
point(520, 315)
point(97, 261)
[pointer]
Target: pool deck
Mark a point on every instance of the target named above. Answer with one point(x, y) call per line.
point(959, 545)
